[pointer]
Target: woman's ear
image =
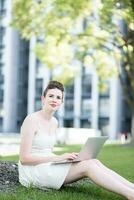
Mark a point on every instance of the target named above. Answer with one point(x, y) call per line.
point(42, 99)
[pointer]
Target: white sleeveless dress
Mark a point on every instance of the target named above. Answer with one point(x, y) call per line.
point(45, 175)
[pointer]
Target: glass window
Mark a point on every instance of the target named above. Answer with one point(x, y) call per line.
point(69, 91)
point(125, 118)
point(38, 66)
point(1, 124)
point(37, 105)
point(68, 123)
point(2, 33)
point(1, 95)
point(22, 81)
point(39, 87)
point(69, 105)
point(104, 125)
point(19, 123)
point(104, 107)
point(86, 107)
point(86, 85)
point(2, 4)
point(85, 123)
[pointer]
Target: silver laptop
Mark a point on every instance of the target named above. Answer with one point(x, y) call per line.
point(90, 149)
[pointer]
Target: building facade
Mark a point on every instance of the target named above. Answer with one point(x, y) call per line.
point(23, 78)
point(14, 59)
point(84, 105)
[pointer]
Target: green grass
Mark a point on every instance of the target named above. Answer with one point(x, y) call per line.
point(118, 158)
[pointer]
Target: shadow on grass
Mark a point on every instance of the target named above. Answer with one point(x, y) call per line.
point(81, 190)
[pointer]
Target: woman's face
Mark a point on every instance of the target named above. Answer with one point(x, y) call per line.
point(53, 99)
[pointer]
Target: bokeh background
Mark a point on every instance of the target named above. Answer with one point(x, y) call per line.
point(88, 45)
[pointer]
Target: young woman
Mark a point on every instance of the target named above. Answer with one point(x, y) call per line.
point(36, 165)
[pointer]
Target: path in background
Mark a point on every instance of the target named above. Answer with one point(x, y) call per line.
point(9, 144)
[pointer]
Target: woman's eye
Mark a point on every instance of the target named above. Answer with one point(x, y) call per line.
point(50, 95)
point(58, 97)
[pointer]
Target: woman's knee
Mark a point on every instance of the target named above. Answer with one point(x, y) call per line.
point(78, 170)
point(92, 161)
point(95, 160)
point(89, 162)
point(83, 167)
point(86, 165)
point(90, 165)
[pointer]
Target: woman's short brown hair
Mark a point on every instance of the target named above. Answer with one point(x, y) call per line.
point(53, 85)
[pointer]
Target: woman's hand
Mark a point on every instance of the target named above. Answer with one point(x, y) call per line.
point(67, 156)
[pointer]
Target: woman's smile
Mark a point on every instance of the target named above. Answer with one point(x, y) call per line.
point(54, 105)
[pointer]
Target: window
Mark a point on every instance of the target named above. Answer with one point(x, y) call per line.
point(104, 107)
point(37, 105)
point(2, 33)
point(85, 123)
point(1, 95)
point(2, 4)
point(86, 85)
point(1, 124)
point(69, 106)
point(68, 123)
point(39, 87)
point(2, 7)
point(86, 107)
point(69, 91)
point(104, 125)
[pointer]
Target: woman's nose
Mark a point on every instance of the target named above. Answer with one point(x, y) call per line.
point(54, 101)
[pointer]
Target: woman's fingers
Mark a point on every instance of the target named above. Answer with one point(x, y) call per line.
point(73, 156)
point(70, 156)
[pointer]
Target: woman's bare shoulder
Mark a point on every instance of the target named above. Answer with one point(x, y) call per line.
point(31, 118)
point(55, 121)
point(29, 124)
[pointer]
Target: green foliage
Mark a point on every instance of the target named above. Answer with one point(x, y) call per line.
point(80, 29)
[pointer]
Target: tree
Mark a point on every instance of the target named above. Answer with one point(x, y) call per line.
point(120, 20)
point(83, 30)
point(58, 25)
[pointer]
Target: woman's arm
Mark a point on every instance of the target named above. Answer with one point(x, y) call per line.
point(28, 130)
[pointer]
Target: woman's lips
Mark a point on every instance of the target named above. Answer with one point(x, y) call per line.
point(53, 105)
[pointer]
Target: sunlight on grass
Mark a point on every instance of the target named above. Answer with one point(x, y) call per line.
point(117, 157)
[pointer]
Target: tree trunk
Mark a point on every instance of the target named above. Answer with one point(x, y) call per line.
point(132, 130)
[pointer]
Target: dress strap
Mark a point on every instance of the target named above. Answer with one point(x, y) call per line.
point(39, 125)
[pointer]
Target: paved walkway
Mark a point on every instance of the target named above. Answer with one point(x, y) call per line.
point(9, 144)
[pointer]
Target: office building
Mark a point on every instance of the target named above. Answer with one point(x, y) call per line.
point(23, 78)
point(14, 58)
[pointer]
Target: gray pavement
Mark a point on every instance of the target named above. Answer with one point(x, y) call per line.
point(9, 144)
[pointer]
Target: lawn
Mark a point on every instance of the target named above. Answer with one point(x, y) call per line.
point(118, 158)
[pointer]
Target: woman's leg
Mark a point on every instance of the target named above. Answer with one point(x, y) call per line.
point(115, 175)
point(90, 168)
